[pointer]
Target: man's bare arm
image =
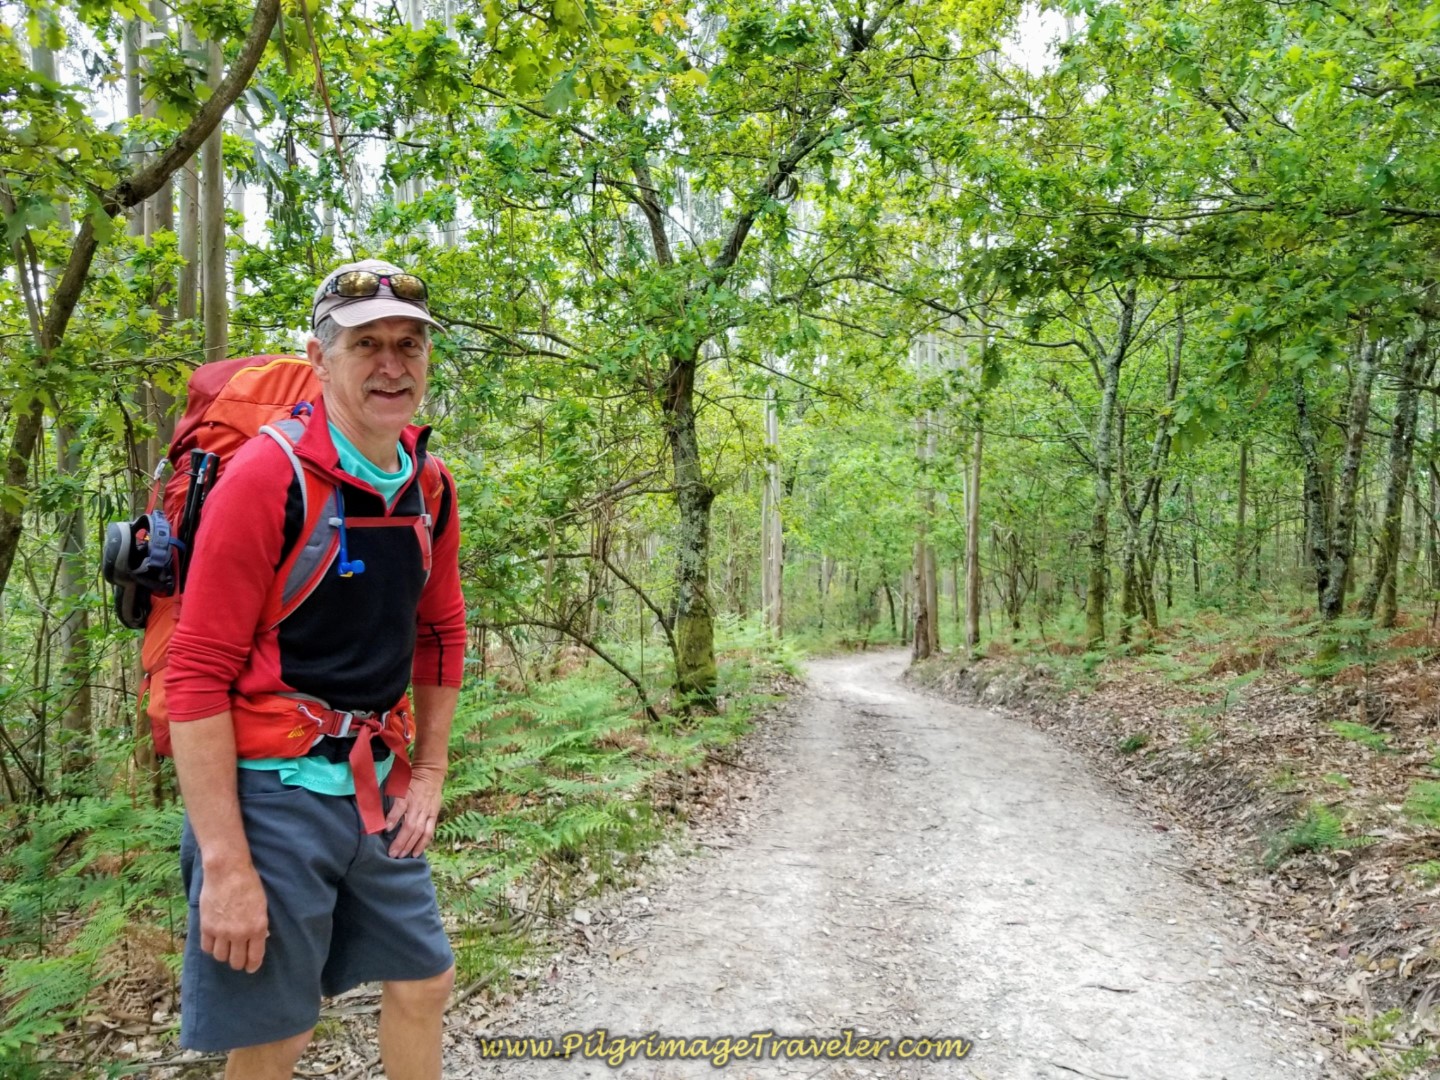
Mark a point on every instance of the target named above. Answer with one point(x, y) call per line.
point(234, 919)
point(417, 813)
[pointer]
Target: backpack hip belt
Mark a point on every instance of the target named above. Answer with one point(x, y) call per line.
point(394, 727)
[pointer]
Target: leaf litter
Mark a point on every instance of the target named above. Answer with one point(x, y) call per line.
point(1238, 757)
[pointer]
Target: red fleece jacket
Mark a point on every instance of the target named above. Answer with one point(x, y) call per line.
point(356, 643)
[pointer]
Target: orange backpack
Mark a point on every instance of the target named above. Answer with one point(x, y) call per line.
point(229, 402)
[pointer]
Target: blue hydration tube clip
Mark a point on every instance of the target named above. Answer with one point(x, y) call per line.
point(346, 566)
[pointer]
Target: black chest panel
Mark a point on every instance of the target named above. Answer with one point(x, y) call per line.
point(351, 643)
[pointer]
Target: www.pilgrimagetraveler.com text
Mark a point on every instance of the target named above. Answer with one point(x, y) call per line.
point(720, 1050)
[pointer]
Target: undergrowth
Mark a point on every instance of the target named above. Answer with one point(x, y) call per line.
point(1320, 829)
point(548, 798)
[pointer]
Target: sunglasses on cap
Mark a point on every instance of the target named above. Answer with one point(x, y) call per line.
point(355, 284)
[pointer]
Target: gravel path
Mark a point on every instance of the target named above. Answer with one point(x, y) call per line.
point(912, 867)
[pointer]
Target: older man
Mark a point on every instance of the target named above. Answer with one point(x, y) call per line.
point(301, 881)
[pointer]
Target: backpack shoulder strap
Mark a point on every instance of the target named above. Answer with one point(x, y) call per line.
point(286, 434)
point(432, 487)
point(301, 571)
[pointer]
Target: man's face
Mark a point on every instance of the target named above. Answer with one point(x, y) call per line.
point(374, 377)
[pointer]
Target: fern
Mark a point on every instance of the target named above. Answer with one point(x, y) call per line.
point(1134, 742)
point(43, 995)
point(1424, 802)
point(545, 798)
point(1321, 829)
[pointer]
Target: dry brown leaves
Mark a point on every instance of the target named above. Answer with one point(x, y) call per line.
point(1356, 931)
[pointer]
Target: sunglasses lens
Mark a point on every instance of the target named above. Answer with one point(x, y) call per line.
point(407, 286)
point(357, 283)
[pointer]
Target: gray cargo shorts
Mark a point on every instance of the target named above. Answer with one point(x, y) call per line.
point(342, 912)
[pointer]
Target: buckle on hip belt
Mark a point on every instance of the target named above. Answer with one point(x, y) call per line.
point(337, 723)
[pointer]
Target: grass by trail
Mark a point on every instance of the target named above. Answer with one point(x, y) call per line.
point(556, 787)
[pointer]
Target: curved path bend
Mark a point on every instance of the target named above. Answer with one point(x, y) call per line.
point(910, 867)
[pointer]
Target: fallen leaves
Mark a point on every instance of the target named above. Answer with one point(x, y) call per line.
point(1356, 929)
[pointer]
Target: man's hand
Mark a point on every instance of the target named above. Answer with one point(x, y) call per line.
point(234, 918)
point(416, 814)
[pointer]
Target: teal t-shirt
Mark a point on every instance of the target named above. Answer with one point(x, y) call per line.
point(316, 773)
point(388, 484)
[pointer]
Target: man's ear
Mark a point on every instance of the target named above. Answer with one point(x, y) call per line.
point(316, 357)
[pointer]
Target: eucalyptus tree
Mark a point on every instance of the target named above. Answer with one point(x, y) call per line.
point(1415, 369)
point(56, 152)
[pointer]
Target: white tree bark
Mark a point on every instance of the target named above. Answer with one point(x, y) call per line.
point(772, 553)
point(214, 299)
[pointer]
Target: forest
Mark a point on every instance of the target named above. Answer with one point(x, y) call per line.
point(1074, 331)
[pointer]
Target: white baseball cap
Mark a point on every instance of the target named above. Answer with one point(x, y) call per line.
point(383, 303)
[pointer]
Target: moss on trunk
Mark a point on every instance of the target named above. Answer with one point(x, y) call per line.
point(695, 668)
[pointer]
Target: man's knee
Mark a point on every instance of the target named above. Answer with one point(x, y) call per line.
point(268, 1061)
point(420, 996)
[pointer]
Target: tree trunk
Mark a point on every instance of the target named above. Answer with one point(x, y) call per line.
point(1104, 473)
point(772, 551)
point(1316, 510)
point(922, 570)
point(921, 648)
point(694, 620)
point(956, 598)
point(1241, 497)
point(160, 218)
point(75, 624)
point(1343, 522)
point(134, 107)
point(905, 610)
point(1149, 560)
point(215, 302)
point(188, 296)
point(972, 543)
point(1129, 593)
point(932, 562)
point(71, 579)
point(1140, 551)
point(1402, 451)
point(1169, 578)
point(1194, 541)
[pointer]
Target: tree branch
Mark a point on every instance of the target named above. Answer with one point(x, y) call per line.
point(127, 193)
point(576, 636)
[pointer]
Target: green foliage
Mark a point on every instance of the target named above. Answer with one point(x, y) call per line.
point(1343, 642)
point(80, 874)
point(1427, 872)
point(1359, 733)
point(628, 211)
point(1134, 742)
point(550, 796)
point(1401, 1044)
point(1320, 829)
point(1423, 803)
point(46, 994)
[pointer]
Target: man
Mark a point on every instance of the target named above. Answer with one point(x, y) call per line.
point(297, 886)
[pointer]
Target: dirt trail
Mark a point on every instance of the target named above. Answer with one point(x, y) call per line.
point(916, 867)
